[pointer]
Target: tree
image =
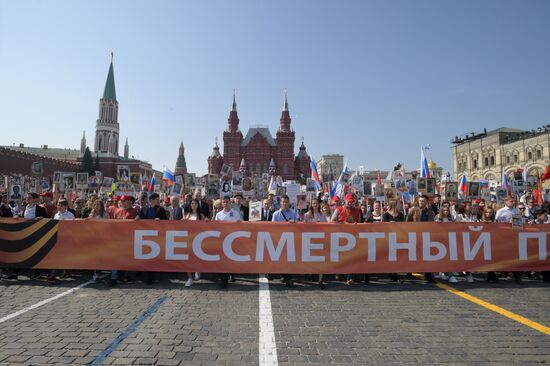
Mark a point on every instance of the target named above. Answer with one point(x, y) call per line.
point(87, 164)
point(97, 167)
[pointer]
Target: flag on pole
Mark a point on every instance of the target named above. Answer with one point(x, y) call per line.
point(379, 179)
point(462, 186)
point(168, 176)
point(505, 183)
point(152, 185)
point(272, 185)
point(339, 188)
point(315, 174)
point(424, 169)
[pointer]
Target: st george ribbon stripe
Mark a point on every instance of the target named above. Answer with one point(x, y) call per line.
point(267, 345)
point(132, 328)
point(44, 302)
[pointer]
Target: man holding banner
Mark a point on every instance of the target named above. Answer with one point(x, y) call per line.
point(231, 215)
point(285, 214)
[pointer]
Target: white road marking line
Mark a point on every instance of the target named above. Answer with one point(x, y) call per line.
point(267, 345)
point(44, 302)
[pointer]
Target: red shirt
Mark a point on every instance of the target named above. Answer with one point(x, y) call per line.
point(351, 214)
point(122, 214)
point(49, 209)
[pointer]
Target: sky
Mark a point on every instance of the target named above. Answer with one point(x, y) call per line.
point(371, 80)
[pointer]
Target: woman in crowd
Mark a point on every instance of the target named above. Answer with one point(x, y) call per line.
point(488, 215)
point(325, 210)
point(98, 211)
point(393, 213)
point(444, 215)
point(193, 215)
point(364, 207)
point(464, 213)
point(376, 214)
point(314, 214)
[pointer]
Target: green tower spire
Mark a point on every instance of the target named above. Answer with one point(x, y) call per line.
point(109, 93)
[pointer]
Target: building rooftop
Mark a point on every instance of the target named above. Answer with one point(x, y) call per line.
point(55, 153)
point(253, 131)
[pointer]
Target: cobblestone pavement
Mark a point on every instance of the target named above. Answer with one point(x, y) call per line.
point(384, 323)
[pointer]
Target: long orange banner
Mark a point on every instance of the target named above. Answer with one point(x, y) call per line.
point(176, 246)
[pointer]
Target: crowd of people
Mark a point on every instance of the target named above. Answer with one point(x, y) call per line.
point(349, 209)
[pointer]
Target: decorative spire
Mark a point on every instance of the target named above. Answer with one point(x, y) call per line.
point(126, 149)
point(234, 105)
point(216, 151)
point(285, 116)
point(233, 119)
point(109, 93)
point(181, 165)
point(242, 168)
point(272, 167)
point(303, 154)
point(83, 143)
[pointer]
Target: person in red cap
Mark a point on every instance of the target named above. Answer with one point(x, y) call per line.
point(347, 213)
point(48, 204)
point(127, 211)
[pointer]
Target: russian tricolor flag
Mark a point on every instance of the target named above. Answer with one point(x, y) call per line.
point(505, 184)
point(168, 176)
point(315, 174)
point(462, 186)
point(152, 185)
point(424, 170)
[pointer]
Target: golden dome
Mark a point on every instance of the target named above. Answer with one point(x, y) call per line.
point(432, 165)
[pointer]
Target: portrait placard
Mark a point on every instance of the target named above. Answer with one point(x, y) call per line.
point(82, 180)
point(451, 189)
point(390, 194)
point(68, 182)
point(56, 177)
point(430, 187)
point(474, 190)
point(123, 173)
point(237, 182)
point(255, 211)
point(421, 185)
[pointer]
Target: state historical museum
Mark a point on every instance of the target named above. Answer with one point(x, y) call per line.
point(258, 152)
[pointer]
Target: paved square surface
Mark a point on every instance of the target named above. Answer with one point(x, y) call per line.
point(384, 323)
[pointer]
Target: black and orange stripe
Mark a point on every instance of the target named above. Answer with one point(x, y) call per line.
point(25, 243)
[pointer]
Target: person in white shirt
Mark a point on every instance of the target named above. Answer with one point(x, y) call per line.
point(231, 215)
point(506, 213)
point(228, 213)
point(62, 214)
point(33, 210)
point(62, 211)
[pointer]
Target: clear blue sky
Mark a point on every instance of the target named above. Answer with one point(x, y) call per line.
point(372, 80)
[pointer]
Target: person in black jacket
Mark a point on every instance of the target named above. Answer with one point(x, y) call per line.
point(5, 209)
point(152, 211)
point(33, 210)
point(242, 208)
point(267, 214)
